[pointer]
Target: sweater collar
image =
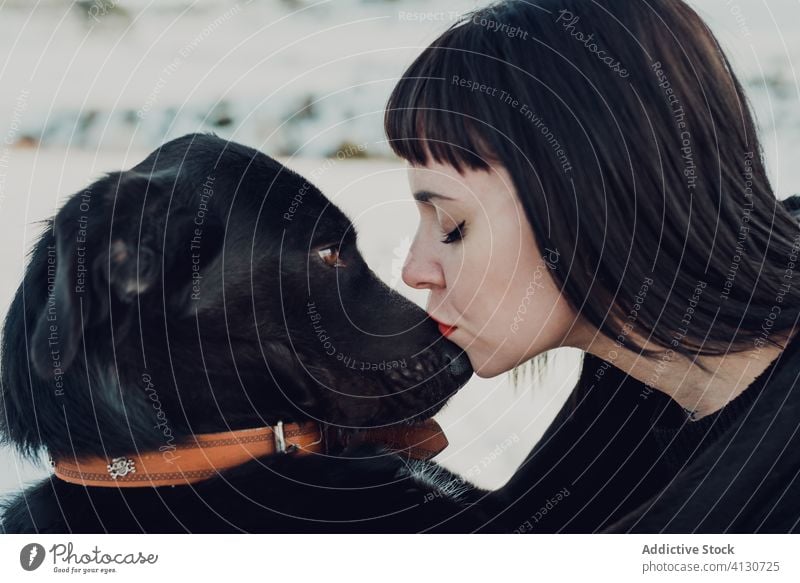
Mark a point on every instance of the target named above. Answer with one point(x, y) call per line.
point(681, 439)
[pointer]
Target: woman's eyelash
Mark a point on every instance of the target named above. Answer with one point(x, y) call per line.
point(455, 235)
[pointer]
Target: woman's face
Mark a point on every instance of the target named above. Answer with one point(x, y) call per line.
point(489, 282)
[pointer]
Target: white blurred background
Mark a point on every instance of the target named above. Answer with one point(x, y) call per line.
point(92, 86)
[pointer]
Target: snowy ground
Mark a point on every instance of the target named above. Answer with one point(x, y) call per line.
point(99, 88)
point(297, 77)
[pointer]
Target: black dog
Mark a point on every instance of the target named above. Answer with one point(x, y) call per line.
point(210, 289)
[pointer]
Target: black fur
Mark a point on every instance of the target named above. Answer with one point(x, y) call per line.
point(111, 346)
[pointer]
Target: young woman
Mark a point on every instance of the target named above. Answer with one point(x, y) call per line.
point(588, 174)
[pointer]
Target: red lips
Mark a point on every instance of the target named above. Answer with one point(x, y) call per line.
point(444, 329)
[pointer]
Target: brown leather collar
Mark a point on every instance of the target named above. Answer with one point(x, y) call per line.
point(211, 453)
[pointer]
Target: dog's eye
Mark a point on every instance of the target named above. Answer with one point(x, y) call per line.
point(332, 256)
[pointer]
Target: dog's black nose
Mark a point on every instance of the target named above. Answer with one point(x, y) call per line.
point(456, 361)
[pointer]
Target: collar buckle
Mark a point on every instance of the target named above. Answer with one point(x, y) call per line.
point(280, 438)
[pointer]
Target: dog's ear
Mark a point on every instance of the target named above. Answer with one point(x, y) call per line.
point(58, 331)
point(128, 262)
point(107, 247)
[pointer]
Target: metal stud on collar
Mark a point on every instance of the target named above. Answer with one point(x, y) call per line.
point(121, 467)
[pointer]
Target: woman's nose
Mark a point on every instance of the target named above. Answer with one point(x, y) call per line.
point(421, 270)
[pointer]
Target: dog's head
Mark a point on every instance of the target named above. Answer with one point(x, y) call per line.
point(207, 288)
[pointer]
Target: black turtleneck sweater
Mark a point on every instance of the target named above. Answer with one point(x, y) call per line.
point(682, 439)
point(622, 458)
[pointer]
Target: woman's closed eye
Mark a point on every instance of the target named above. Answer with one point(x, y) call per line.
point(455, 235)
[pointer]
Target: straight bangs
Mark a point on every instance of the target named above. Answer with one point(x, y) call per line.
point(434, 114)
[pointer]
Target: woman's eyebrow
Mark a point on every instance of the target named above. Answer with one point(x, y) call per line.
point(426, 196)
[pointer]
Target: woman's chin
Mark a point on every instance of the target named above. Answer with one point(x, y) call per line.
point(489, 362)
point(487, 368)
